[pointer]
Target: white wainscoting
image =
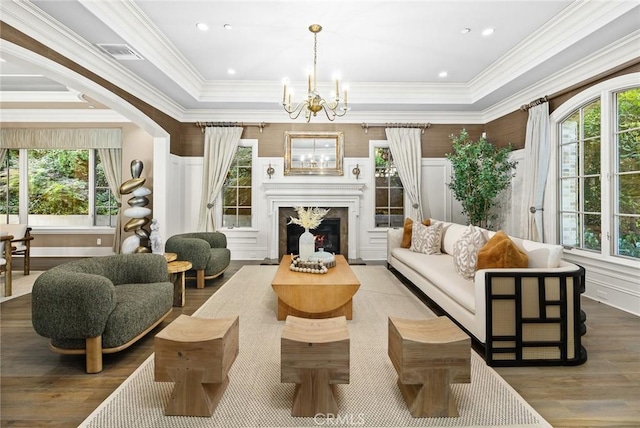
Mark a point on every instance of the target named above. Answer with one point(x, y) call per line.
point(615, 284)
point(252, 243)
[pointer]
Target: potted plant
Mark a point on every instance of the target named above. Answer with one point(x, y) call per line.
point(480, 171)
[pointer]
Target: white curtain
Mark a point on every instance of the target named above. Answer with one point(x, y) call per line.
point(537, 154)
point(112, 165)
point(406, 149)
point(220, 146)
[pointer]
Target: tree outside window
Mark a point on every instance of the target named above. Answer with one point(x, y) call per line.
point(9, 187)
point(66, 188)
point(627, 173)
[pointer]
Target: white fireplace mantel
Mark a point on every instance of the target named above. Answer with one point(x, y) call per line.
point(297, 193)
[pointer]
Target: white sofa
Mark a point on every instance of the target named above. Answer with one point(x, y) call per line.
point(527, 316)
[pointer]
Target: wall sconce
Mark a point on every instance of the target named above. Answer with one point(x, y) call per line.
point(270, 171)
point(356, 171)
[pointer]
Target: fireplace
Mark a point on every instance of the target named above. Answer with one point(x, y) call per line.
point(332, 234)
point(327, 236)
point(342, 199)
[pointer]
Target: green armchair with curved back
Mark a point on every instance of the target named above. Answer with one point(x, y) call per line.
point(207, 252)
point(101, 305)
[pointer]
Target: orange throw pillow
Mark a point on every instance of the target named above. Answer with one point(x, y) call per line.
point(408, 230)
point(501, 252)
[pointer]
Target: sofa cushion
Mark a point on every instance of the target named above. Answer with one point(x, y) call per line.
point(540, 255)
point(408, 231)
point(501, 252)
point(426, 239)
point(465, 251)
point(438, 269)
point(451, 233)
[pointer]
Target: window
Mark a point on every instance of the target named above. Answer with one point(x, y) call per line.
point(236, 209)
point(389, 199)
point(627, 173)
point(65, 188)
point(9, 186)
point(599, 174)
point(580, 195)
point(106, 206)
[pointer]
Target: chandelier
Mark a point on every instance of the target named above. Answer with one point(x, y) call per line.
point(313, 103)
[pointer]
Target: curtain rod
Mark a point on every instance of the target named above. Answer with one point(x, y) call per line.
point(534, 103)
point(423, 126)
point(203, 125)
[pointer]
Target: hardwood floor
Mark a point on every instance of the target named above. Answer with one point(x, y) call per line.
point(42, 389)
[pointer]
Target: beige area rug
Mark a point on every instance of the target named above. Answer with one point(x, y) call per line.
point(256, 398)
point(21, 284)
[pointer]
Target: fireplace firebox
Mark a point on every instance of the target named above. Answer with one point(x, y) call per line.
point(327, 236)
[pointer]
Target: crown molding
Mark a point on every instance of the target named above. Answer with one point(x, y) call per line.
point(62, 115)
point(358, 117)
point(572, 24)
point(30, 20)
point(127, 20)
point(618, 53)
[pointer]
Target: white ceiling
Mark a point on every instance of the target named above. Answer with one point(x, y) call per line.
point(390, 53)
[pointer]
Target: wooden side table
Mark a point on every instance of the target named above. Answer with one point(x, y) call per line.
point(176, 275)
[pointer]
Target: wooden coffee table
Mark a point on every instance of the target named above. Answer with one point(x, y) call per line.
point(311, 295)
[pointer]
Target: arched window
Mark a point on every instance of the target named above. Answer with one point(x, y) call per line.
point(597, 135)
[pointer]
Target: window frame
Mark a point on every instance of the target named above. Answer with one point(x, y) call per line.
point(23, 205)
point(373, 145)
point(606, 91)
point(254, 180)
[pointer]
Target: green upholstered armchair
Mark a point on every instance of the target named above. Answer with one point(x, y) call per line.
point(101, 305)
point(207, 252)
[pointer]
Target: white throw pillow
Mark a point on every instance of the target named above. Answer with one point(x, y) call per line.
point(426, 239)
point(465, 251)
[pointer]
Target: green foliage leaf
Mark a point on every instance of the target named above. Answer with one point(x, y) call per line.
point(480, 172)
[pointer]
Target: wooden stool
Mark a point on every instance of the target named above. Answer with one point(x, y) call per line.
point(196, 354)
point(315, 356)
point(429, 355)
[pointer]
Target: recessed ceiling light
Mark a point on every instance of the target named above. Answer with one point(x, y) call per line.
point(231, 71)
point(443, 74)
point(227, 26)
point(488, 31)
point(465, 30)
point(202, 26)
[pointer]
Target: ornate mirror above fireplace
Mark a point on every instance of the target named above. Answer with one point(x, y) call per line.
point(313, 153)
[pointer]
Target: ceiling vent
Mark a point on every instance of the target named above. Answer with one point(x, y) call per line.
point(121, 52)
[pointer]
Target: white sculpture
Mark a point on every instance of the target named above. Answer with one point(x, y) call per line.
point(157, 246)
